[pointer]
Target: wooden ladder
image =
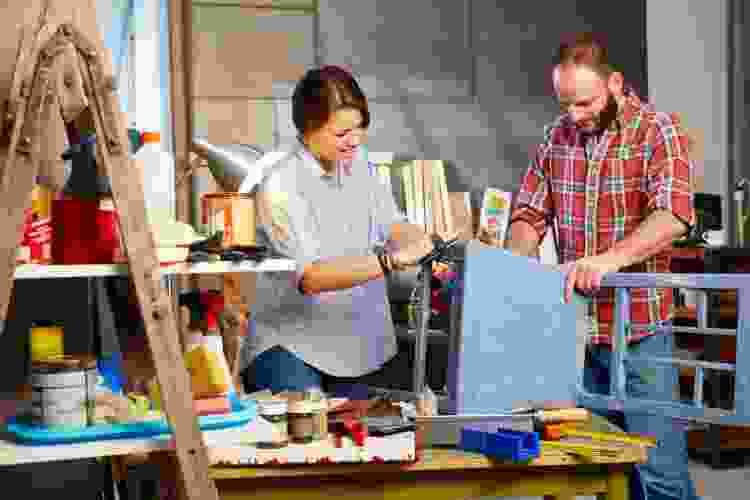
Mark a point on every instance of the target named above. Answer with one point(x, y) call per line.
point(51, 53)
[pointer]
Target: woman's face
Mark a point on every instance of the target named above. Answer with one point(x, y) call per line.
point(339, 138)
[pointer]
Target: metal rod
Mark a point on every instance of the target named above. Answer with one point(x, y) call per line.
point(701, 310)
point(690, 363)
point(698, 387)
point(420, 339)
point(705, 331)
point(619, 347)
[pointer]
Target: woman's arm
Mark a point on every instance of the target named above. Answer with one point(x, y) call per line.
point(339, 273)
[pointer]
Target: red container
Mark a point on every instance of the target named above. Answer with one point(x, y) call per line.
point(83, 233)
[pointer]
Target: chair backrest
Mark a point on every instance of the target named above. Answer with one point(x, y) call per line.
point(695, 409)
point(515, 341)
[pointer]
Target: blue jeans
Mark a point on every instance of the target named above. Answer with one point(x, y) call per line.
point(665, 475)
point(279, 370)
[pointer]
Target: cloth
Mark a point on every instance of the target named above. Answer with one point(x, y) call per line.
point(602, 189)
point(306, 215)
point(666, 474)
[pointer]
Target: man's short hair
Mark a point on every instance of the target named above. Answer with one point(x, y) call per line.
point(587, 49)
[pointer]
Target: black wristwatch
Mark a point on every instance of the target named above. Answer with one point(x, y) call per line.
point(382, 256)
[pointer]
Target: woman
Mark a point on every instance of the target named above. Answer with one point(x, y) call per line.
point(323, 206)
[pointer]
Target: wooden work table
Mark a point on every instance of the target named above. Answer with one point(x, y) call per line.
point(440, 474)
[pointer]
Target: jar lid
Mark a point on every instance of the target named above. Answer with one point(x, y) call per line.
point(301, 407)
point(44, 323)
point(272, 406)
point(64, 363)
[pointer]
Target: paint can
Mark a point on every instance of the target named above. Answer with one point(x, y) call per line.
point(231, 213)
point(63, 391)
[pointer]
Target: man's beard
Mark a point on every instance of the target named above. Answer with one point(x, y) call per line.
point(606, 116)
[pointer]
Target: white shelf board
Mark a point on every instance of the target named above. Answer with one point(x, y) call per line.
point(12, 453)
point(39, 271)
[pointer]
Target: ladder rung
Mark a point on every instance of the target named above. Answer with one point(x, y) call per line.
point(705, 331)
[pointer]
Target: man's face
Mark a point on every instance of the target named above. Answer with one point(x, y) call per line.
point(585, 96)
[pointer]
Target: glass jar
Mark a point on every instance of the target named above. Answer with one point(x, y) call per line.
point(302, 422)
point(318, 406)
point(274, 411)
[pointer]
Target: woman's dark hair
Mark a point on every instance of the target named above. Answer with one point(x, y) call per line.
point(322, 92)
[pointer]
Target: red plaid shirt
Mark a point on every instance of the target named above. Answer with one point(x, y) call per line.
point(602, 189)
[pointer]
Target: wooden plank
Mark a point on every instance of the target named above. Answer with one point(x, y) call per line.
point(562, 484)
point(229, 120)
point(154, 303)
point(19, 170)
point(180, 88)
point(460, 215)
point(250, 52)
point(440, 460)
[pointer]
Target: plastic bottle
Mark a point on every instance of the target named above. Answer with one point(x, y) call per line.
point(157, 177)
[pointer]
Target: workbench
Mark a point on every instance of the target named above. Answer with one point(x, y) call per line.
point(440, 474)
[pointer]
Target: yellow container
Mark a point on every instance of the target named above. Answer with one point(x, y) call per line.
point(46, 342)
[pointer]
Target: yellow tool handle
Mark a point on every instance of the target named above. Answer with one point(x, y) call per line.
point(620, 437)
point(566, 415)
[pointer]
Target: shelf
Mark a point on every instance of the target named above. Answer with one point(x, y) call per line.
point(38, 271)
point(12, 453)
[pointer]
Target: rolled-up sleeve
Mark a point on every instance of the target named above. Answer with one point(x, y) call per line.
point(284, 224)
point(532, 202)
point(669, 171)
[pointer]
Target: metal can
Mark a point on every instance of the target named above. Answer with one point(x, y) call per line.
point(231, 213)
point(62, 391)
point(274, 411)
point(303, 424)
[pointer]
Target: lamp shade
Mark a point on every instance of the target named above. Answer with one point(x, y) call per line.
point(229, 164)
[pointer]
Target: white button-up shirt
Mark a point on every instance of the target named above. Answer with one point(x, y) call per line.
point(307, 215)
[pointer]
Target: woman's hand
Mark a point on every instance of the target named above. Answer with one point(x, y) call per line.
point(410, 254)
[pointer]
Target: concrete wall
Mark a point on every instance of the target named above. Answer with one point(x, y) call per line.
point(687, 72)
point(465, 81)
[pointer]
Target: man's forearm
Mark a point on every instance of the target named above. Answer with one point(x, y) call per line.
point(652, 236)
point(523, 240)
point(339, 273)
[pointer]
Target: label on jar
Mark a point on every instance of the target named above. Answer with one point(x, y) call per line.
point(64, 407)
point(279, 433)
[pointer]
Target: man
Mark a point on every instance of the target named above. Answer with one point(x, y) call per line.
point(614, 182)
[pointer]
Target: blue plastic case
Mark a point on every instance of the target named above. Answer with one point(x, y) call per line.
point(503, 444)
point(243, 413)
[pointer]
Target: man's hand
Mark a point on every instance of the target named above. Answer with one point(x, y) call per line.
point(485, 236)
point(585, 275)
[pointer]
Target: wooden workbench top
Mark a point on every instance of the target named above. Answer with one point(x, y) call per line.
point(432, 460)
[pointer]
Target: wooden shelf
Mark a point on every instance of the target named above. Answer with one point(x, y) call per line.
point(38, 271)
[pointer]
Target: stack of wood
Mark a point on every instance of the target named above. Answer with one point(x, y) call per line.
point(421, 192)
